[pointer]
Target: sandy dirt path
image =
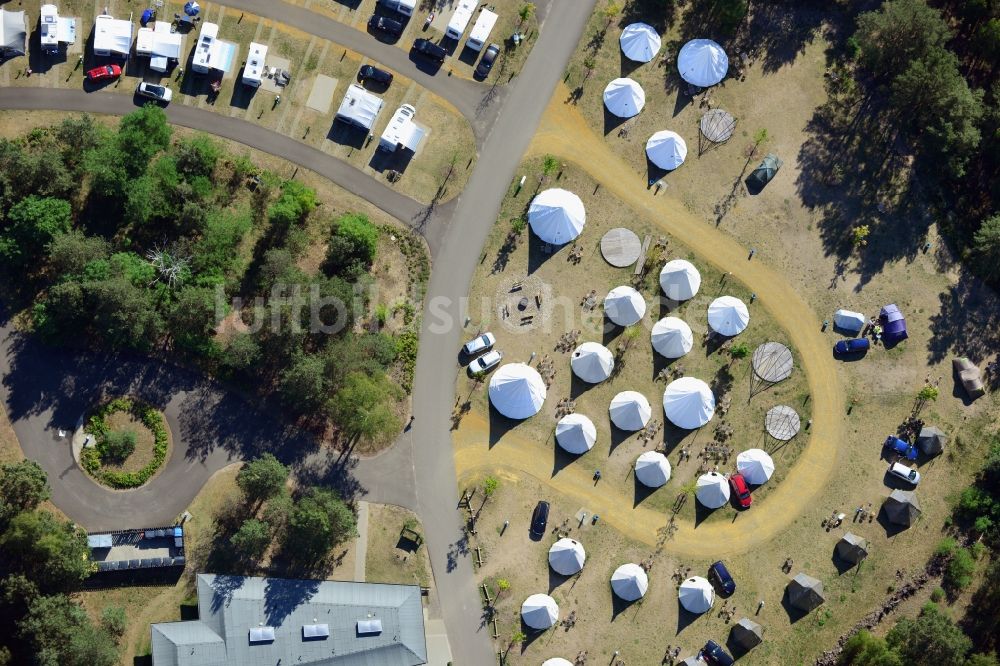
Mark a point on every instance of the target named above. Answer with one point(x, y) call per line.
point(565, 134)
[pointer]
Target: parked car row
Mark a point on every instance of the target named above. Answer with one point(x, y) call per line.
point(486, 358)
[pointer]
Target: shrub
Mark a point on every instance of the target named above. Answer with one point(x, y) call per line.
point(114, 621)
point(946, 547)
point(117, 445)
point(958, 574)
point(937, 595)
point(90, 459)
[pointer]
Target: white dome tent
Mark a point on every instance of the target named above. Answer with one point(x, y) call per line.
point(728, 315)
point(557, 216)
point(540, 611)
point(624, 98)
point(629, 582)
point(630, 410)
point(672, 337)
point(576, 433)
point(624, 305)
point(666, 150)
point(640, 42)
point(566, 557)
point(517, 391)
point(679, 280)
point(702, 63)
point(652, 469)
point(712, 490)
point(755, 466)
point(696, 595)
point(689, 403)
point(557, 661)
point(592, 362)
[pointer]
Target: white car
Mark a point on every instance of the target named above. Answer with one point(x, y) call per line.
point(479, 344)
point(153, 91)
point(908, 474)
point(486, 362)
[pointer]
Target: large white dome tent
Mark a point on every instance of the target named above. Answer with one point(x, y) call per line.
point(639, 42)
point(666, 150)
point(688, 403)
point(576, 433)
point(679, 279)
point(540, 611)
point(652, 469)
point(567, 556)
point(755, 465)
point(629, 582)
point(696, 595)
point(592, 362)
point(630, 410)
point(624, 305)
point(624, 98)
point(728, 315)
point(712, 490)
point(557, 216)
point(702, 63)
point(672, 337)
point(517, 391)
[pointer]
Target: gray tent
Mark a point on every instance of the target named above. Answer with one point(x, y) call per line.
point(852, 548)
point(763, 174)
point(902, 507)
point(931, 441)
point(969, 375)
point(805, 592)
point(747, 634)
point(14, 33)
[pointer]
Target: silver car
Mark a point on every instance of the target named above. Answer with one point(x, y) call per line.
point(479, 344)
point(908, 474)
point(153, 91)
point(486, 362)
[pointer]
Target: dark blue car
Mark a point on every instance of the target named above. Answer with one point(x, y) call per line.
point(719, 575)
point(851, 346)
point(715, 655)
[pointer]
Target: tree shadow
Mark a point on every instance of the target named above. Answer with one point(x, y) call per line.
point(282, 596)
point(967, 322)
point(661, 14)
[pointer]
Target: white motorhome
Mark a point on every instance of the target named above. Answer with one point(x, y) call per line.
point(112, 36)
point(404, 7)
point(160, 44)
point(460, 18)
point(359, 108)
point(55, 30)
point(481, 30)
point(401, 132)
point(253, 71)
point(203, 50)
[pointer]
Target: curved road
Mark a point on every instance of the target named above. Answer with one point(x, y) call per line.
point(45, 390)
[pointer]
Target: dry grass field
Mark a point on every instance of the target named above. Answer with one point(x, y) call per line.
point(449, 136)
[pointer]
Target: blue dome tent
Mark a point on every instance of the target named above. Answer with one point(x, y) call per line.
point(893, 324)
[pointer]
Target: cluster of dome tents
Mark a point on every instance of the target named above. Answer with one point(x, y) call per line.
point(701, 63)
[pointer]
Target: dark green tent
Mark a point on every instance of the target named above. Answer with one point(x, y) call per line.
point(763, 174)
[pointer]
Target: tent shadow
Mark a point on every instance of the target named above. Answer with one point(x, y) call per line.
point(959, 389)
point(539, 251)
point(683, 99)
point(673, 436)
point(611, 121)
point(500, 425)
point(610, 331)
point(701, 513)
point(557, 580)
point(660, 363)
point(627, 66)
point(577, 386)
point(618, 437)
point(685, 618)
point(619, 605)
point(641, 492)
point(794, 614)
point(561, 459)
point(654, 173)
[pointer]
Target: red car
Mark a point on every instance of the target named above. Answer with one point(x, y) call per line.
point(104, 73)
point(741, 490)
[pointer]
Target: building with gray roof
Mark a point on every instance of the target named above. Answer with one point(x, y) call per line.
point(250, 621)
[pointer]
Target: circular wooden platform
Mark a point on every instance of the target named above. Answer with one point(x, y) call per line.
point(620, 247)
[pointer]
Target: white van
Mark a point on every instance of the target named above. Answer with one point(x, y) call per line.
point(481, 30)
point(404, 7)
point(460, 18)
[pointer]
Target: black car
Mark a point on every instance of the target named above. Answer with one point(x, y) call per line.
point(486, 63)
point(386, 25)
point(714, 654)
point(429, 50)
point(540, 519)
point(719, 575)
point(369, 73)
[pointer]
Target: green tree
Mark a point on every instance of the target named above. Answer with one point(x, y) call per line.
point(33, 223)
point(958, 573)
point(23, 486)
point(70, 252)
point(363, 408)
point(114, 621)
point(526, 11)
point(61, 634)
point(214, 256)
point(197, 155)
point(931, 638)
point(319, 521)
point(192, 317)
point(986, 248)
point(117, 445)
point(303, 385)
point(50, 552)
point(78, 135)
point(262, 478)
point(251, 539)
point(108, 171)
point(123, 314)
point(863, 649)
point(982, 660)
point(352, 245)
point(899, 33)
point(242, 352)
point(142, 134)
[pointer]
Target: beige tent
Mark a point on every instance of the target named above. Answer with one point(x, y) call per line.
point(747, 634)
point(969, 375)
point(805, 592)
point(852, 548)
point(902, 508)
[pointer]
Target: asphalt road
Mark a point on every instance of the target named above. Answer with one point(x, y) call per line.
point(45, 390)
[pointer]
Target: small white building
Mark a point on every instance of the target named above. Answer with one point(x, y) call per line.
point(253, 71)
point(159, 44)
point(359, 108)
point(404, 7)
point(212, 53)
point(55, 30)
point(481, 30)
point(460, 18)
point(401, 132)
point(112, 37)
